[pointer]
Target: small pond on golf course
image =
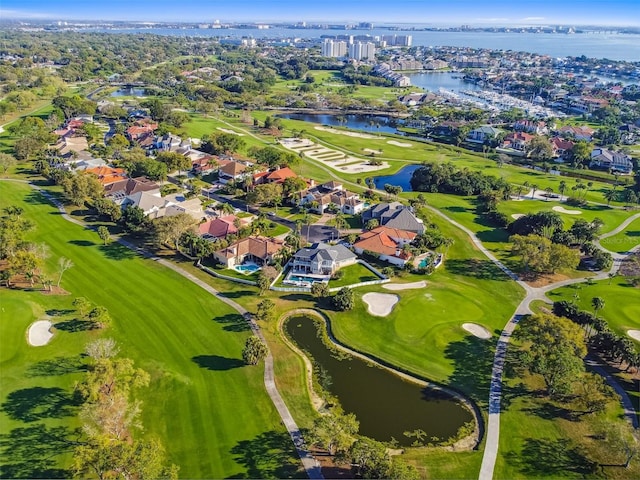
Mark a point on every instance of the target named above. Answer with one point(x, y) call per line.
point(385, 405)
point(401, 178)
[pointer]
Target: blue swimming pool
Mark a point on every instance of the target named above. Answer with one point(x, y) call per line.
point(424, 263)
point(247, 269)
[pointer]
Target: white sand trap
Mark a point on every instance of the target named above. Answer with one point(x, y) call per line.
point(516, 216)
point(39, 333)
point(344, 132)
point(477, 330)
point(369, 150)
point(635, 334)
point(405, 286)
point(232, 132)
point(380, 304)
point(399, 144)
point(560, 209)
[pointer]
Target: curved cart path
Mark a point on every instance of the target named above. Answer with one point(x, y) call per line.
point(310, 465)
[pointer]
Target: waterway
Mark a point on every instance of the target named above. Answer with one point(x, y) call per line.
point(615, 46)
point(385, 405)
point(401, 179)
point(434, 81)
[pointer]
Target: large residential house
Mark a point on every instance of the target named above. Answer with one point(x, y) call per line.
point(152, 204)
point(279, 175)
point(387, 243)
point(394, 215)
point(69, 146)
point(610, 160)
point(331, 193)
point(537, 127)
point(118, 191)
point(219, 227)
point(577, 133)
point(259, 250)
point(561, 147)
point(108, 175)
point(322, 259)
point(483, 134)
point(172, 143)
point(232, 172)
point(517, 141)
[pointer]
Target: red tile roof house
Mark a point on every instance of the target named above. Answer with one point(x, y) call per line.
point(517, 141)
point(259, 250)
point(577, 133)
point(561, 148)
point(218, 227)
point(387, 243)
point(118, 191)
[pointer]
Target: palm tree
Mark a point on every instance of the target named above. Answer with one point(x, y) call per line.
point(610, 195)
point(534, 187)
point(561, 188)
point(64, 264)
point(549, 191)
point(227, 208)
point(612, 275)
point(598, 304)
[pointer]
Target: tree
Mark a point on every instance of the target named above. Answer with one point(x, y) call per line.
point(540, 148)
point(99, 316)
point(133, 219)
point(372, 223)
point(64, 264)
point(102, 348)
point(254, 350)
point(265, 310)
point(319, 289)
point(263, 282)
point(6, 162)
point(370, 458)
point(554, 348)
point(538, 254)
point(598, 304)
point(561, 188)
point(335, 431)
point(82, 305)
point(169, 229)
point(610, 194)
point(621, 440)
point(581, 152)
point(109, 209)
point(344, 299)
point(593, 393)
point(82, 187)
point(174, 161)
point(103, 233)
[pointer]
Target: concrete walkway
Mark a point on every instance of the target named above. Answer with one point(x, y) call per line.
point(310, 465)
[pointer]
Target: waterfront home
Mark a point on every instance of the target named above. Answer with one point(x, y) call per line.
point(517, 141)
point(386, 243)
point(610, 160)
point(259, 250)
point(531, 126)
point(322, 259)
point(394, 215)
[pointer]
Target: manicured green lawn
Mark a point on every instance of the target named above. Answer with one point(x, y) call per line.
point(355, 273)
point(625, 240)
point(209, 410)
point(622, 302)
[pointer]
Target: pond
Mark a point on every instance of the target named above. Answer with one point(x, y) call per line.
point(130, 92)
point(434, 81)
point(385, 405)
point(368, 123)
point(401, 178)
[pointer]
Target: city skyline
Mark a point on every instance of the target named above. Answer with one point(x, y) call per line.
point(452, 12)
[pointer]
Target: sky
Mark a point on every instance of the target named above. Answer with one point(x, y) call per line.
point(450, 12)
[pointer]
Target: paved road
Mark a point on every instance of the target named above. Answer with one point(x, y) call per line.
point(310, 465)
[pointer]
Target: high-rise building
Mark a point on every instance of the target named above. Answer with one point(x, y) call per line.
point(334, 49)
point(397, 40)
point(362, 51)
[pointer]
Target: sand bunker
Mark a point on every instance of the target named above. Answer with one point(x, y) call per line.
point(380, 304)
point(369, 150)
point(399, 144)
point(635, 334)
point(564, 210)
point(405, 286)
point(232, 132)
point(344, 132)
point(477, 330)
point(39, 333)
point(516, 216)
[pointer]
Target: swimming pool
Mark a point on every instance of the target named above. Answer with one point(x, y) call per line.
point(247, 269)
point(424, 263)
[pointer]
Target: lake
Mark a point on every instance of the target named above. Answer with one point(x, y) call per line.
point(385, 405)
point(130, 92)
point(369, 123)
point(434, 81)
point(400, 179)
